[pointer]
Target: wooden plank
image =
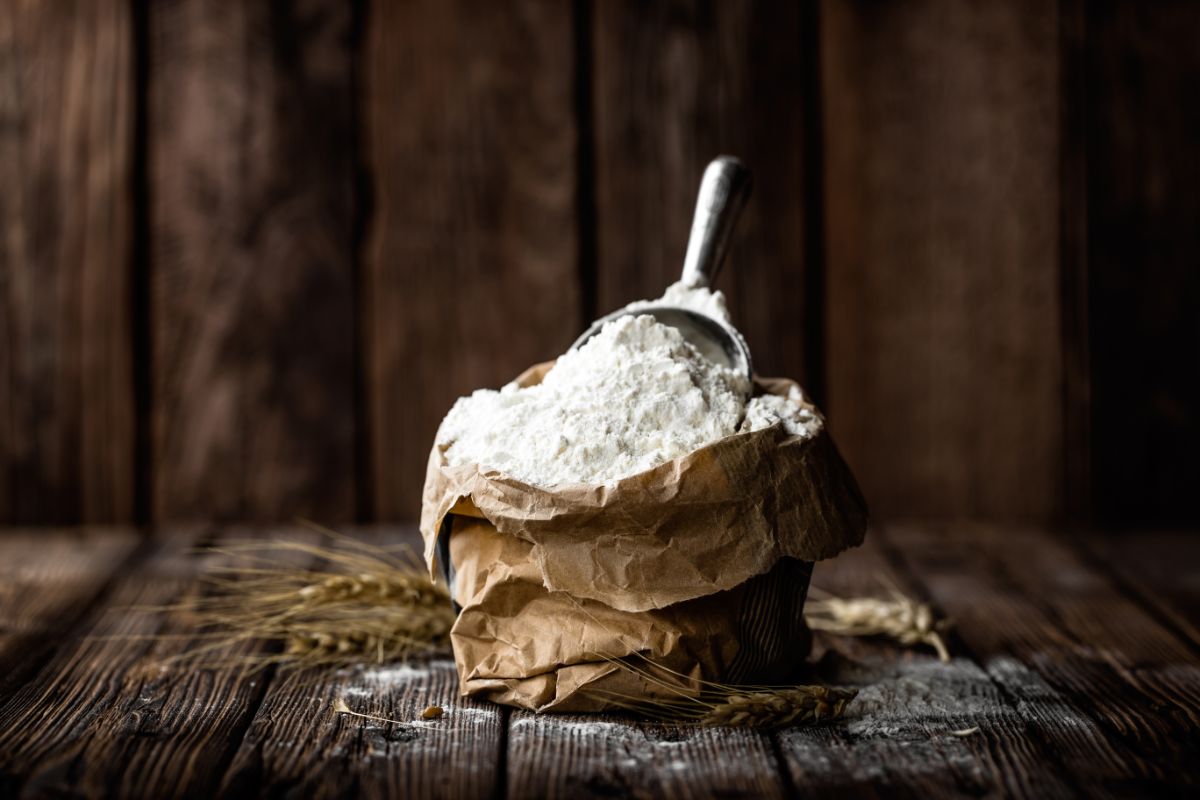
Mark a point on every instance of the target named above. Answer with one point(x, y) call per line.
point(470, 272)
point(298, 745)
point(251, 171)
point(898, 737)
point(1076, 339)
point(573, 755)
point(110, 714)
point(44, 718)
point(1143, 244)
point(676, 84)
point(941, 135)
point(1024, 600)
point(66, 376)
point(48, 581)
point(1161, 567)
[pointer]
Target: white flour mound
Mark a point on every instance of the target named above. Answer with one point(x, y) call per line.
point(699, 299)
point(634, 396)
point(797, 418)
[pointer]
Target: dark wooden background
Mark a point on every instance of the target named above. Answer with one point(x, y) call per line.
point(252, 251)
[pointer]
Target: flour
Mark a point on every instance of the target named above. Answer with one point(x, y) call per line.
point(698, 299)
point(798, 418)
point(633, 396)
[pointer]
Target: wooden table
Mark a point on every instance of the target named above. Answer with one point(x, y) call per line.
point(1078, 661)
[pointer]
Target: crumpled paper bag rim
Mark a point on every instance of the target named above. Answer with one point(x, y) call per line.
point(692, 526)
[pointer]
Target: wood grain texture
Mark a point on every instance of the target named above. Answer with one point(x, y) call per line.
point(1142, 76)
point(574, 755)
point(676, 84)
point(298, 745)
point(251, 174)
point(48, 582)
point(1076, 686)
point(49, 719)
point(899, 736)
point(1161, 567)
point(66, 380)
point(1058, 722)
point(115, 713)
point(470, 272)
point(1025, 601)
point(942, 206)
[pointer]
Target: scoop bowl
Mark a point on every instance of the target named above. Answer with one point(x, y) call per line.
point(723, 192)
point(716, 341)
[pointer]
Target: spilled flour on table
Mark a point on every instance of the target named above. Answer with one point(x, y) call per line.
point(632, 397)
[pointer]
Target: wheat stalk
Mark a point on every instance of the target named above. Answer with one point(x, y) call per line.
point(726, 705)
point(367, 603)
point(708, 703)
point(897, 617)
point(777, 708)
point(363, 604)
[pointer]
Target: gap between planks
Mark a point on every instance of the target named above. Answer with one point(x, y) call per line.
point(1155, 570)
point(106, 713)
point(1092, 679)
point(899, 736)
point(88, 563)
point(296, 744)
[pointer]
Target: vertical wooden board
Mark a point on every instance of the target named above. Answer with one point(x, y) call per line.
point(941, 130)
point(470, 273)
point(1143, 244)
point(66, 380)
point(676, 84)
point(252, 143)
point(583, 755)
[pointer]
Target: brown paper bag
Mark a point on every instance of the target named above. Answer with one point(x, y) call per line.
point(699, 564)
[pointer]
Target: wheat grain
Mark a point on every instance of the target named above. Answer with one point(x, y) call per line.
point(366, 604)
point(777, 708)
point(673, 696)
point(898, 617)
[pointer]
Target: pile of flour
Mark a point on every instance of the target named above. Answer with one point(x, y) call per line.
point(635, 395)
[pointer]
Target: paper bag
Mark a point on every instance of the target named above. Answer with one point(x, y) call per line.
point(699, 565)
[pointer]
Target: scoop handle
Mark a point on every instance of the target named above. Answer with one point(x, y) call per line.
point(723, 193)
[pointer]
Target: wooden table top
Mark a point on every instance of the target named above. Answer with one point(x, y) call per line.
point(1077, 659)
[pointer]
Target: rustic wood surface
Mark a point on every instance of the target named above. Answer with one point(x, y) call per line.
point(250, 253)
point(66, 357)
point(1161, 567)
point(1075, 673)
point(942, 187)
point(470, 265)
point(251, 224)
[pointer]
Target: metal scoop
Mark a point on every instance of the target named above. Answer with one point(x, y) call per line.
point(723, 193)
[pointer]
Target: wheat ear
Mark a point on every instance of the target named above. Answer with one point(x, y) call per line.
point(777, 708)
point(363, 604)
point(897, 617)
point(719, 704)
